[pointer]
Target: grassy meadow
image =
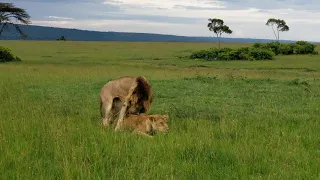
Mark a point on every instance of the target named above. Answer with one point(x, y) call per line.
point(227, 119)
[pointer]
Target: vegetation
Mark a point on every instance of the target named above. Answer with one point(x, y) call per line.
point(61, 38)
point(258, 51)
point(281, 26)
point(235, 120)
point(234, 54)
point(218, 27)
point(6, 55)
point(300, 47)
point(10, 14)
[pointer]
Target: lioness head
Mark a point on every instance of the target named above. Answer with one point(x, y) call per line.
point(159, 123)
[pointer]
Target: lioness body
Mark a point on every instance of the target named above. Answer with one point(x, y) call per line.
point(126, 95)
point(145, 124)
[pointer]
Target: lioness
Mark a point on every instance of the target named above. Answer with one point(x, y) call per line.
point(145, 124)
point(123, 96)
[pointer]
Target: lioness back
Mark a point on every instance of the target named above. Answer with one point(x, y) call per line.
point(144, 123)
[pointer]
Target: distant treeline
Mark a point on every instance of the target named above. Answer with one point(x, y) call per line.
point(52, 33)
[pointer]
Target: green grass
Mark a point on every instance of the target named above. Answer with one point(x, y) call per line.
point(228, 120)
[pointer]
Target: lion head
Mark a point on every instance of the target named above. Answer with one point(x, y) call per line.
point(139, 98)
point(159, 123)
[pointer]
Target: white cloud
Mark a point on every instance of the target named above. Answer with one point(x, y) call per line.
point(60, 18)
point(169, 4)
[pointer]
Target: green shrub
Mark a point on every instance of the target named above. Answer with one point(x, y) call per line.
point(261, 54)
point(6, 55)
point(259, 45)
point(227, 54)
point(224, 56)
point(199, 54)
point(205, 54)
point(274, 47)
point(245, 56)
point(286, 49)
point(258, 51)
point(61, 38)
point(303, 47)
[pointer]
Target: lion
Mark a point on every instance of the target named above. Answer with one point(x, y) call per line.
point(123, 96)
point(147, 125)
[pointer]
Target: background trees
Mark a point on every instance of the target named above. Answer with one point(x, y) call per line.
point(218, 27)
point(9, 14)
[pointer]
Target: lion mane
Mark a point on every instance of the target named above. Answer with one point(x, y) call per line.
point(124, 96)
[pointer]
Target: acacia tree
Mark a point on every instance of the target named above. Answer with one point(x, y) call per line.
point(10, 15)
point(281, 25)
point(218, 27)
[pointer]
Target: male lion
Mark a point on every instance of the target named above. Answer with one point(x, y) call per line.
point(145, 124)
point(123, 96)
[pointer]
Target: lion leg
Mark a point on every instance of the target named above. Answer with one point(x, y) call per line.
point(121, 116)
point(141, 133)
point(107, 115)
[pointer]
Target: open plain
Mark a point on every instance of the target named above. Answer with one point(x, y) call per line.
point(227, 119)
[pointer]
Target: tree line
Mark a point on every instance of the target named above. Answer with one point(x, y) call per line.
point(218, 27)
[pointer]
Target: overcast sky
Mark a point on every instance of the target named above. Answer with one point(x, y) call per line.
point(246, 18)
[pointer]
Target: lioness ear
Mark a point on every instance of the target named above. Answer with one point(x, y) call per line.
point(166, 116)
point(152, 119)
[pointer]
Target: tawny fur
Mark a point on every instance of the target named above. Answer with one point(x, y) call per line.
point(145, 124)
point(123, 96)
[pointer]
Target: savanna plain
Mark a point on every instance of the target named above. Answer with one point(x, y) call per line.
point(227, 119)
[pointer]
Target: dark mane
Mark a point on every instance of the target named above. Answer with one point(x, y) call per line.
point(141, 93)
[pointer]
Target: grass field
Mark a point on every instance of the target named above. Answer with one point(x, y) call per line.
point(228, 119)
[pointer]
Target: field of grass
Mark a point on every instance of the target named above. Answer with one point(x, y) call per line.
point(227, 119)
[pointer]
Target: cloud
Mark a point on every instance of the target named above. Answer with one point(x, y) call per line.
point(61, 18)
point(167, 4)
point(246, 18)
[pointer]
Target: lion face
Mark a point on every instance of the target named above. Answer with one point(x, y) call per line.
point(134, 109)
point(159, 123)
point(135, 105)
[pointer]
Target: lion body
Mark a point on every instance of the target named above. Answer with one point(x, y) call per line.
point(126, 95)
point(146, 124)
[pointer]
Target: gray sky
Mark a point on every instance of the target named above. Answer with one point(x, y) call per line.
point(246, 18)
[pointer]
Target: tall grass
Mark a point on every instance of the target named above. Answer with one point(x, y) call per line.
point(224, 124)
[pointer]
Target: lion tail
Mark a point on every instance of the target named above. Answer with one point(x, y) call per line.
point(100, 107)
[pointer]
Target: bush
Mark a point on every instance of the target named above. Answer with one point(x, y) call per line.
point(258, 51)
point(234, 54)
point(286, 49)
point(61, 38)
point(274, 47)
point(261, 54)
point(204, 54)
point(303, 47)
point(6, 55)
point(259, 45)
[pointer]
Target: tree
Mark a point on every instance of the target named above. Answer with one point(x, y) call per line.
point(61, 38)
point(281, 25)
point(218, 27)
point(9, 14)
